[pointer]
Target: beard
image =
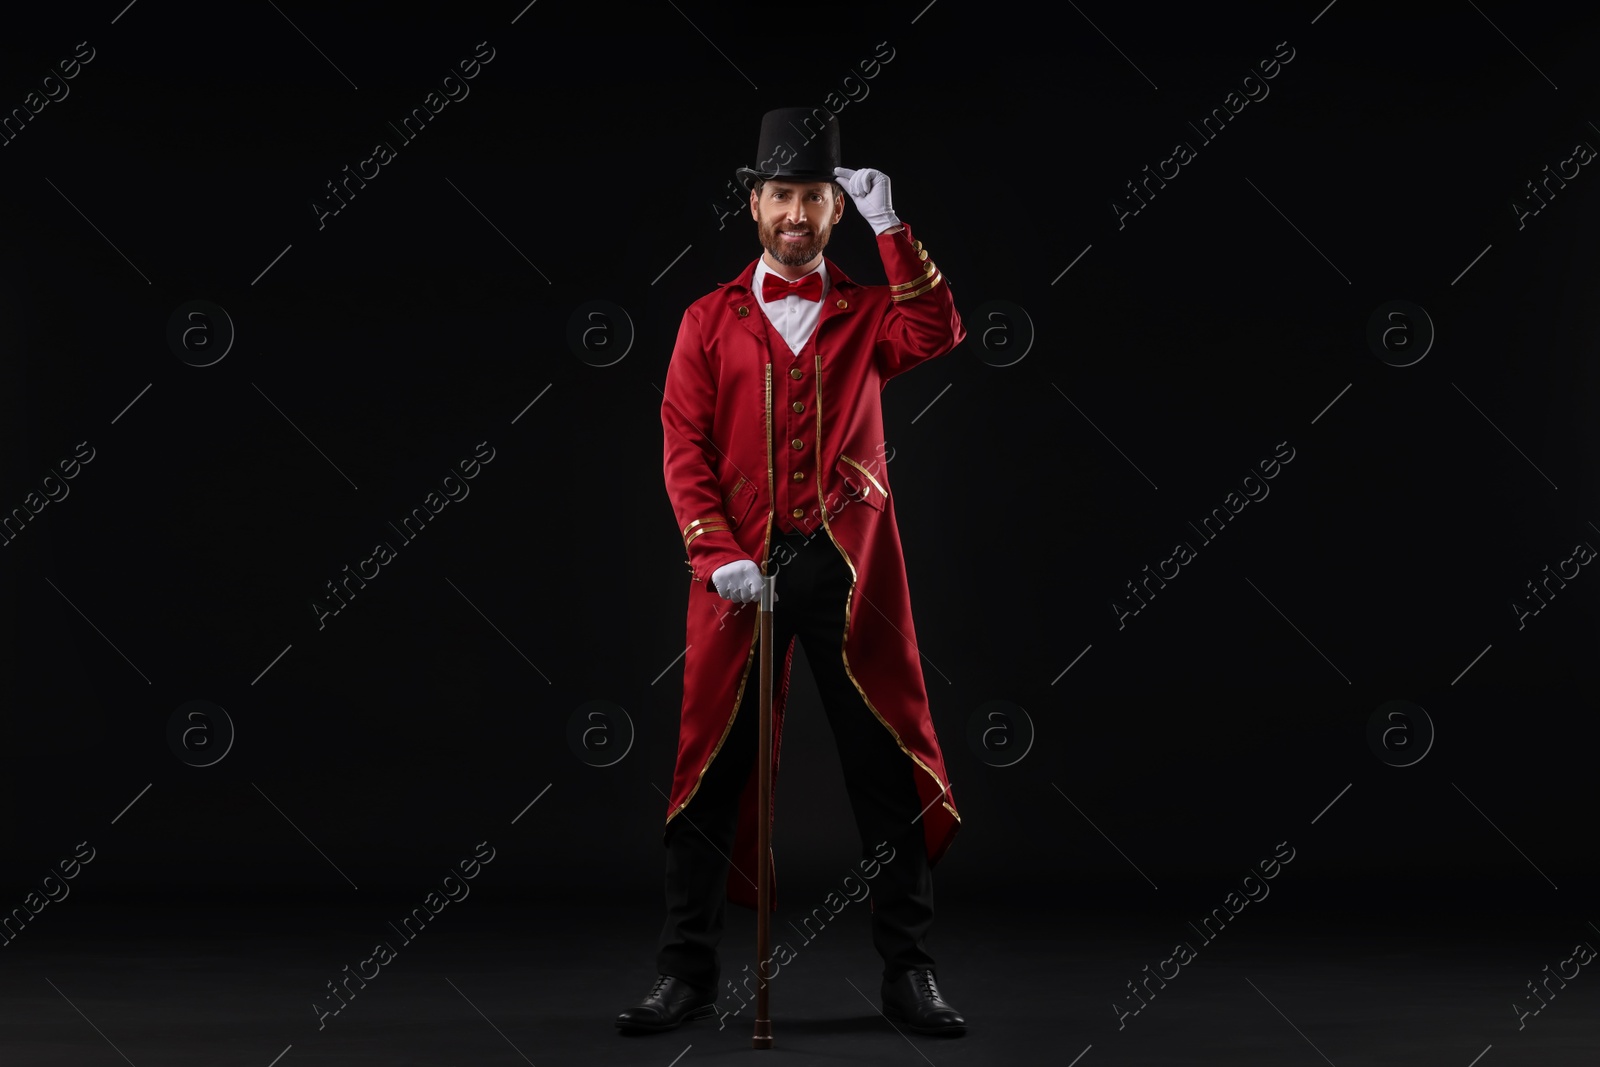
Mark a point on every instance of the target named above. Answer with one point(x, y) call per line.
point(794, 254)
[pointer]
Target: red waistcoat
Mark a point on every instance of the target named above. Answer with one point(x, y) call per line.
point(734, 445)
point(794, 420)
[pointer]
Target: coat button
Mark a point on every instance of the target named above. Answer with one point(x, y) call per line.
point(799, 476)
point(795, 372)
point(922, 254)
point(798, 406)
point(798, 513)
point(743, 311)
point(797, 443)
point(917, 245)
point(842, 304)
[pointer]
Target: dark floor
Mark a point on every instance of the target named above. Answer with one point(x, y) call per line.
point(178, 986)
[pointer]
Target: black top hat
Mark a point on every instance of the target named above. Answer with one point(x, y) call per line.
point(797, 143)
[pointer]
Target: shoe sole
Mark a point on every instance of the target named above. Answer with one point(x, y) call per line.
point(950, 1030)
point(705, 1011)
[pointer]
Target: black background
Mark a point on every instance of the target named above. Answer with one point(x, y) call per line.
point(1177, 352)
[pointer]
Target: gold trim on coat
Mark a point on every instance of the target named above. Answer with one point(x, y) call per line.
point(944, 789)
point(772, 485)
point(738, 697)
point(755, 632)
point(868, 474)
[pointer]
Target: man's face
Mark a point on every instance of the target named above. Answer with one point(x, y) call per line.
point(795, 219)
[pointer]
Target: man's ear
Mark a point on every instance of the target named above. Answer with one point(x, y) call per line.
point(838, 209)
point(754, 200)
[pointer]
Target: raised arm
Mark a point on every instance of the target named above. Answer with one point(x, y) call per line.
point(922, 321)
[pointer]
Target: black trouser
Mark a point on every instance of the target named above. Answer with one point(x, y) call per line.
point(813, 582)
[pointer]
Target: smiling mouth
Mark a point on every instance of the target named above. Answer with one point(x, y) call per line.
point(794, 235)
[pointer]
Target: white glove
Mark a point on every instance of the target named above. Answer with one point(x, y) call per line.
point(869, 191)
point(740, 581)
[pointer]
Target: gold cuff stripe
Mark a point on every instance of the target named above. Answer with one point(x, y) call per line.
point(903, 286)
point(865, 473)
point(697, 522)
point(935, 280)
point(717, 527)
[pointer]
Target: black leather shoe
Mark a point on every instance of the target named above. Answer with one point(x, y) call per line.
point(913, 1000)
point(670, 1003)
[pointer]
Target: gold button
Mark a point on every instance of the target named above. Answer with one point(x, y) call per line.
point(842, 304)
point(798, 513)
point(798, 406)
point(795, 372)
point(923, 254)
point(799, 476)
point(927, 268)
point(917, 245)
point(743, 311)
point(797, 443)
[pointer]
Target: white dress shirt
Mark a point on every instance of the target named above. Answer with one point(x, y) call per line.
point(792, 317)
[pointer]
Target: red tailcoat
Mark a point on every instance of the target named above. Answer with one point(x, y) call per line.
point(717, 417)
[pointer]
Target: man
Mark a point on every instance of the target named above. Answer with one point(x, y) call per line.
point(774, 463)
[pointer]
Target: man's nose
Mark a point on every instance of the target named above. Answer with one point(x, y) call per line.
point(796, 212)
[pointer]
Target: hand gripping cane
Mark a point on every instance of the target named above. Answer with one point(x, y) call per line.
point(763, 1034)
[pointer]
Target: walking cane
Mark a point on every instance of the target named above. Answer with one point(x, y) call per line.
point(763, 1034)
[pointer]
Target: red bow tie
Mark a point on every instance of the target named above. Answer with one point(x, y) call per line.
point(774, 287)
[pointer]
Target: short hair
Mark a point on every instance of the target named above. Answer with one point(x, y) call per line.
point(756, 185)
